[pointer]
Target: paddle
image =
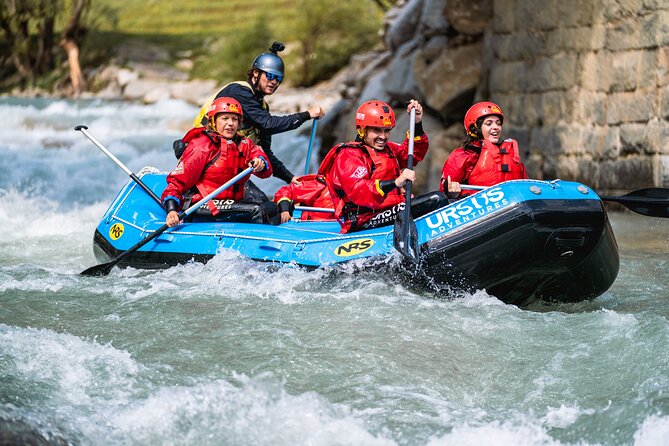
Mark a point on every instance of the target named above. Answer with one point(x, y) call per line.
point(405, 236)
point(311, 145)
point(653, 202)
point(83, 129)
point(105, 268)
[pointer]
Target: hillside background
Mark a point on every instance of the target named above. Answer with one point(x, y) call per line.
point(584, 84)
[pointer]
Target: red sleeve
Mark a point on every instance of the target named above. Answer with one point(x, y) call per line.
point(258, 152)
point(306, 193)
point(458, 165)
point(352, 171)
point(188, 170)
point(401, 151)
point(284, 193)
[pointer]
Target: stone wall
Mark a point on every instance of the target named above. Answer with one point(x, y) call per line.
point(584, 84)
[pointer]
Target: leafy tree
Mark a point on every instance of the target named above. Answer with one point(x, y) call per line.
point(330, 31)
point(230, 56)
point(32, 31)
point(28, 27)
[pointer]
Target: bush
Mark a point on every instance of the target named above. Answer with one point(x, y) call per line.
point(330, 32)
point(320, 40)
point(229, 57)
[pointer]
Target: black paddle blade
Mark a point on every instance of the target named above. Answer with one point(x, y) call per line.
point(102, 269)
point(653, 202)
point(406, 241)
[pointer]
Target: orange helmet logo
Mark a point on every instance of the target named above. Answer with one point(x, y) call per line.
point(495, 109)
point(387, 122)
point(234, 108)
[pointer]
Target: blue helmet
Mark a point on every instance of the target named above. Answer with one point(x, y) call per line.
point(270, 62)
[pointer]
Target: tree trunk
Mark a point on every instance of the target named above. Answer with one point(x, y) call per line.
point(69, 43)
point(77, 79)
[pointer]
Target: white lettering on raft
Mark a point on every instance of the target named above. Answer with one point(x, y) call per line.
point(467, 210)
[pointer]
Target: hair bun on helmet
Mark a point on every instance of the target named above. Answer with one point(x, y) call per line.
point(270, 62)
point(375, 114)
point(479, 110)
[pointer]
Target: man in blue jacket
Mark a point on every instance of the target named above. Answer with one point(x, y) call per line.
point(264, 78)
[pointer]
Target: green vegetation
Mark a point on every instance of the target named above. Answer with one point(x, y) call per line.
point(320, 35)
point(220, 37)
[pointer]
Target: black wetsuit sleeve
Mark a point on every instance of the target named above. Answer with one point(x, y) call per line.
point(266, 124)
point(418, 130)
point(260, 118)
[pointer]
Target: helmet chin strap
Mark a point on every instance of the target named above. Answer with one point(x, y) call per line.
point(361, 132)
point(475, 131)
point(212, 124)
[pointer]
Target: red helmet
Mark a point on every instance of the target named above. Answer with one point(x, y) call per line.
point(375, 114)
point(224, 105)
point(479, 110)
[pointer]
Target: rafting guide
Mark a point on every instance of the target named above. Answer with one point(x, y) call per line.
point(258, 124)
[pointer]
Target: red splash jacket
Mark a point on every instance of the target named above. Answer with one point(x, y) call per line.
point(208, 162)
point(312, 191)
point(491, 165)
point(354, 171)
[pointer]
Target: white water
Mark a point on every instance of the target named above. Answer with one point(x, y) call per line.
point(236, 352)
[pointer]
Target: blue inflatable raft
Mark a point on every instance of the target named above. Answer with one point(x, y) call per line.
point(520, 240)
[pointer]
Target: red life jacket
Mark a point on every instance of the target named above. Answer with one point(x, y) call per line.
point(230, 159)
point(384, 167)
point(497, 164)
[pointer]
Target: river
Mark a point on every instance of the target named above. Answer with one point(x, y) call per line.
point(236, 352)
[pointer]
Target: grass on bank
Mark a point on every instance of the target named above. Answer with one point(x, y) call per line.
point(222, 37)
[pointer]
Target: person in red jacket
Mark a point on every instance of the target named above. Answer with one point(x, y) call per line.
point(484, 159)
point(215, 154)
point(366, 176)
point(310, 190)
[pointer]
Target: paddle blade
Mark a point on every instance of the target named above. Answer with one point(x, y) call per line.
point(102, 269)
point(653, 202)
point(405, 237)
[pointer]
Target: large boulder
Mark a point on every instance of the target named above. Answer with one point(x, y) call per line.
point(449, 81)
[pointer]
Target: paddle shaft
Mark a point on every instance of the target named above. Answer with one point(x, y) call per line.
point(653, 202)
point(407, 186)
point(313, 209)
point(105, 268)
point(311, 145)
point(83, 129)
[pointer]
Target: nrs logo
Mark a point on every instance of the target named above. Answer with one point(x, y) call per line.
point(354, 247)
point(116, 231)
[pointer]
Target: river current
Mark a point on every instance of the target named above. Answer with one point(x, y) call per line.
point(236, 352)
